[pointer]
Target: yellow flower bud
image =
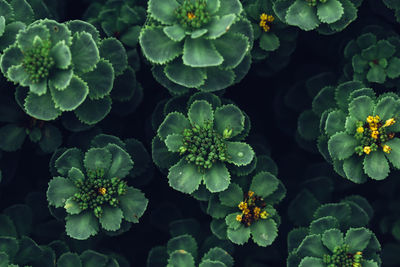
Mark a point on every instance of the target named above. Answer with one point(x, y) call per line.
point(375, 134)
point(377, 119)
point(251, 193)
point(239, 218)
point(387, 149)
point(389, 122)
point(102, 191)
point(367, 150)
point(264, 215)
point(191, 15)
point(263, 16)
point(370, 119)
point(360, 129)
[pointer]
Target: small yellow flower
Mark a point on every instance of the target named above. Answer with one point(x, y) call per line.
point(370, 119)
point(360, 129)
point(257, 211)
point(389, 122)
point(246, 211)
point(358, 253)
point(242, 205)
point(375, 134)
point(270, 18)
point(191, 15)
point(264, 215)
point(263, 16)
point(373, 127)
point(387, 149)
point(377, 119)
point(250, 193)
point(367, 150)
point(239, 217)
point(102, 191)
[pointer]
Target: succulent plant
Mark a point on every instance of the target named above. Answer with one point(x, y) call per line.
point(202, 146)
point(66, 68)
point(374, 59)
point(196, 44)
point(326, 16)
point(92, 189)
point(335, 237)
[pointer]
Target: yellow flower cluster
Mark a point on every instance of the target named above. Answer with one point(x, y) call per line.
point(375, 125)
point(191, 15)
point(251, 209)
point(265, 21)
point(102, 191)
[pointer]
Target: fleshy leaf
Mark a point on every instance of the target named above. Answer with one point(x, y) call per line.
point(302, 15)
point(175, 32)
point(240, 154)
point(61, 55)
point(84, 51)
point(11, 137)
point(217, 178)
point(376, 165)
point(394, 155)
point(184, 177)
point(97, 158)
point(100, 80)
point(111, 218)
point(174, 123)
point(174, 142)
point(264, 232)
point(264, 184)
point(163, 10)
point(61, 79)
point(269, 41)
point(233, 48)
point(330, 11)
point(312, 246)
point(200, 53)
point(341, 145)
point(121, 162)
point(72, 96)
point(239, 236)
point(81, 226)
point(200, 112)
point(91, 111)
point(229, 117)
point(69, 259)
point(219, 26)
point(133, 204)
point(60, 189)
point(332, 238)
point(184, 75)
point(181, 258)
point(41, 107)
point(232, 196)
point(357, 239)
point(112, 50)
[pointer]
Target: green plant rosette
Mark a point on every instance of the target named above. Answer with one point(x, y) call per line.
point(374, 59)
point(202, 146)
point(64, 67)
point(183, 250)
point(357, 155)
point(91, 189)
point(229, 220)
point(325, 16)
point(120, 19)
point(202, 44)
point(337, 236)
point(275, 37)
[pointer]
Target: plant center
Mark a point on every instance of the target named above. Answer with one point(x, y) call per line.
point(203, 146)
point(342, 258)
point(37, 61)
point(95, 191)
point(266, 22)
point(372, 134)
point(193, 14)
point(253, 208)
point(315, 2)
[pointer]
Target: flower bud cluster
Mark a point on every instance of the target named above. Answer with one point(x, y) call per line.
point(342, 258)
point(37, 61)
point(192, 14)
point(203, 146)
point(252, 208)
point(96, 191)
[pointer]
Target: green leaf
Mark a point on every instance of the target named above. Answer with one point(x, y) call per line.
point(219, 26)
point(81, 226)
point(353, 168)
point(229, 117)
point(174, 123)
point(9, 245)
point(131, 36)
point(91, 111)
point(332, 238)
point(229, 7)
point(11, 56)
point(58, 32)
point(6, 10)
point(219, 255)
point(59, 190)
point(302, 15)
point(240, 235)
point(232, 196)
point(320, 225)
point(162, 157)
point(376, 165)
point(11, 137)
point(183, 242)
point(307, 125)
point(84, 51)
point(184, 177)
point(269, 41)
point(385, 49)
point(215, 208)
point(97, 158)
point(69, 259)
point(330, 11)
point(361, 107)
point(100, 80)
point(26, 37)
point(163, 10)
point(28, 251)
point(200, 53)
point(231, 222)
point(335, 122)
point(121, 163)
point(60, 79)
point(39, 88)
point(174, 142)
point(112, 50)
point(2, 24)
point(240, 154)
point(341, 211)
point(111, 218)
point(41, 107)
point(79, 26)
point(175, 32)
point(133, 204)
point(341, 145)
point(18, 74)
point(92, 258)
point(264, 232)
point(217, 79)
point(61, 55)
point(386, 108)
point(72, 207)
point(198, 33)
point(7, 227)
point(357, 239)
point(311, 261)
point(71, 158)
point(180, 258)
point(157, 47)
point(264, 184)
point(200, 112)
point(217, 178)
point(233, 48)
point(72, 96)
point(376, 74)
point(184, 75)
point(210, 263)
point(393, 69)
point(359, 64)
point(394, 155)
point(213, 6)
point(312, 246)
